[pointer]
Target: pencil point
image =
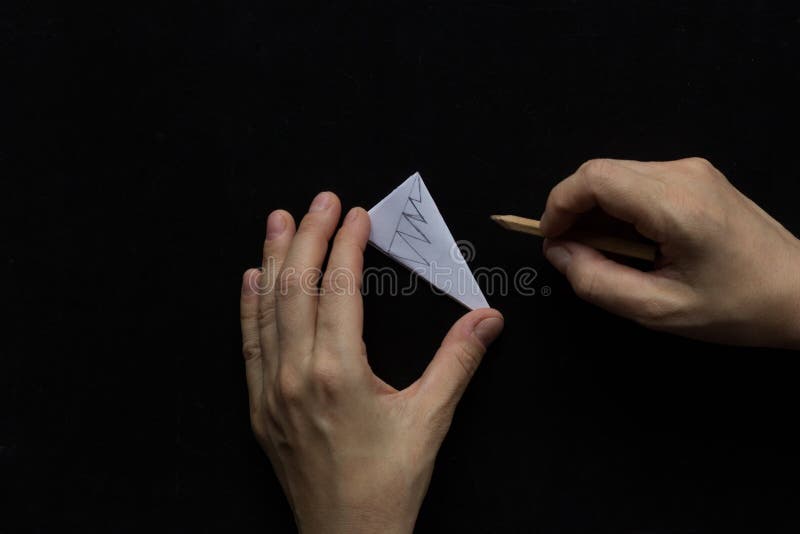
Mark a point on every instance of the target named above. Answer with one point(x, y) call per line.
point(499, 219)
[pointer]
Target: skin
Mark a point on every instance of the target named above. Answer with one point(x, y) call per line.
point(728, 272)
point(352, 453)
point(355, 455)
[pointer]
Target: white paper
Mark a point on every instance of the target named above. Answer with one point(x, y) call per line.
point(407, 226)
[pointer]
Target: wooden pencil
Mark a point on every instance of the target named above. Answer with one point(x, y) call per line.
point(607, 243)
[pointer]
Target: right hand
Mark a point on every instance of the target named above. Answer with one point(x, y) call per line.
point(728, 272)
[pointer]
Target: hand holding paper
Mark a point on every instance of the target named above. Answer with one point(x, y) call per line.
point(353, 454)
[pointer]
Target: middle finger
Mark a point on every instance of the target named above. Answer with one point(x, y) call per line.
point(297, 296)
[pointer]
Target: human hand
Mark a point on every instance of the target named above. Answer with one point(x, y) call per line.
point(728, 272)
point(352, 453)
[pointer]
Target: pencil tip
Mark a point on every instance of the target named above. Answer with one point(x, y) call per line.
point(499, 220)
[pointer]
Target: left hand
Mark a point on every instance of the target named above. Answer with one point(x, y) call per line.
point(352, 453)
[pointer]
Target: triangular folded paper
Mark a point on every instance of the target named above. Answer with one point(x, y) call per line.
point(407, 226)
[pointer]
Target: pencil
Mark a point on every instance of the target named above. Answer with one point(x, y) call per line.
point(607, 243)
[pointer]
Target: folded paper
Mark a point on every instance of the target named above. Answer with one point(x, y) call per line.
point(407, 226)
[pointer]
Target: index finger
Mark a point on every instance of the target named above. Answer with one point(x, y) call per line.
point(341, 310)
point(623, 189)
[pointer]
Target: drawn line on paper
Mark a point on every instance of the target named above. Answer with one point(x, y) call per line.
point(414, 196)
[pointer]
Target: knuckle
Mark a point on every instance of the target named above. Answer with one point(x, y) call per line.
point(290, 386)
point(661, 310)
point(294, 281)
point(251, 350)
point(326, 375)
point(329, 322)
point(258, 426)
point(266, 314)
point(651, 311)
point(701, 166)
point(585, 285)
point(342, 238)
point(596, 168)
point(329, 282)
point(692, 218)
point(557, 200)
point(699, 162)
point(248, 313)
point(468, 355)
point(289, 279)
point(341, 281)
point(271, 410)
point(312, 229)
point(346, 241)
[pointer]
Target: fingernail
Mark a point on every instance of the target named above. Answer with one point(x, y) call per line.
point(321, 202)
point(276, 224)
point(559, 257)
point(352, 215)
point(488, 329)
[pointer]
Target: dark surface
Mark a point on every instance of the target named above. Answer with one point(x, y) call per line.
point(142, 148)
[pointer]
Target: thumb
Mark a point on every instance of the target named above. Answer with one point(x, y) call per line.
point(613, 286)
point(462, 350)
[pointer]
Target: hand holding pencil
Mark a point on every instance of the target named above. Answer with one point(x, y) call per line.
point(725, 270)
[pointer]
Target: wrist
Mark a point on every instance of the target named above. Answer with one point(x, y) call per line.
point(354, 522)
point(360, 525)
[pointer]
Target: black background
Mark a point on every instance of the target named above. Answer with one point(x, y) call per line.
point(143, 146)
